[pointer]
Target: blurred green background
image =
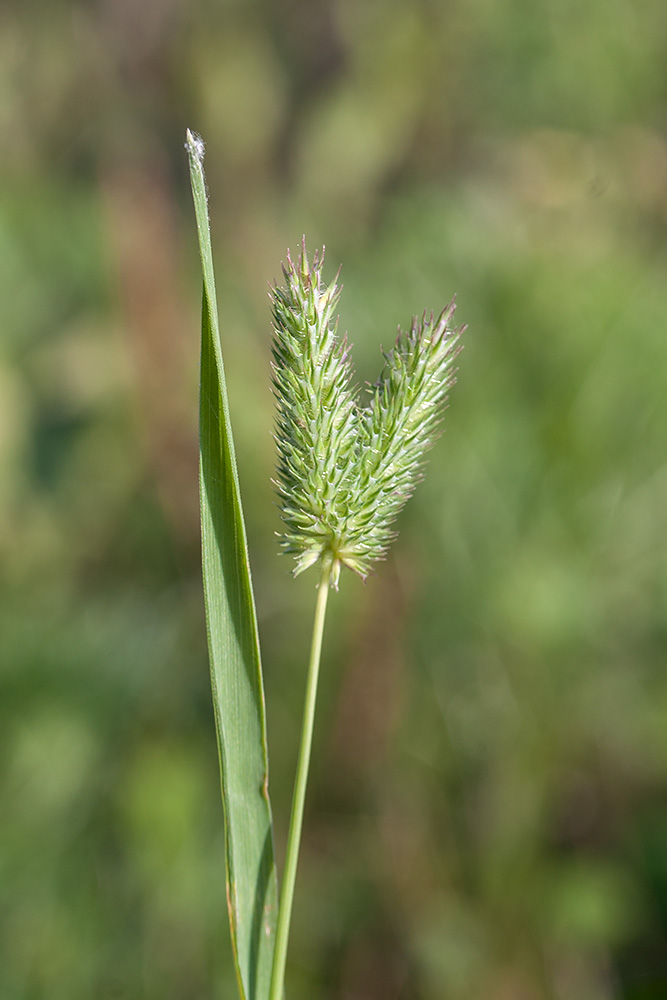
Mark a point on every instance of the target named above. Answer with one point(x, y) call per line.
point(487, 817)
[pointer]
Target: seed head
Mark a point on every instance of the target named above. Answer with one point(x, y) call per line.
point(345, 470)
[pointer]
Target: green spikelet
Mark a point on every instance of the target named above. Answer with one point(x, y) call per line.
point(345, 471)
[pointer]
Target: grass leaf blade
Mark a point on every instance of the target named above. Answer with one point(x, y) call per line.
point(234, 654)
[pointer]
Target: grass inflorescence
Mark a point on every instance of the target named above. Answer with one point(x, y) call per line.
point(345, 470)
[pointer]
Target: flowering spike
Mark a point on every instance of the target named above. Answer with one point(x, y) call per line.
point(345, 471)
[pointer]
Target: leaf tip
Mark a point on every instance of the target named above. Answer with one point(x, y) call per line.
point(195, 145)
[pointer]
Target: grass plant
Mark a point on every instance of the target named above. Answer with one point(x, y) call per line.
point(345, 470)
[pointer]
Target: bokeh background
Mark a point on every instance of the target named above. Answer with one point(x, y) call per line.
point(487, 817)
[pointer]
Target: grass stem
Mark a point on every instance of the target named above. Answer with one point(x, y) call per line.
point(299, 797)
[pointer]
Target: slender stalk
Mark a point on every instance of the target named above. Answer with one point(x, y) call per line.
point(299, 797)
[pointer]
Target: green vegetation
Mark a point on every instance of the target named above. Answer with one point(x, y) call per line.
point(345, 472)
point(486, 815)
point(233, 644)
